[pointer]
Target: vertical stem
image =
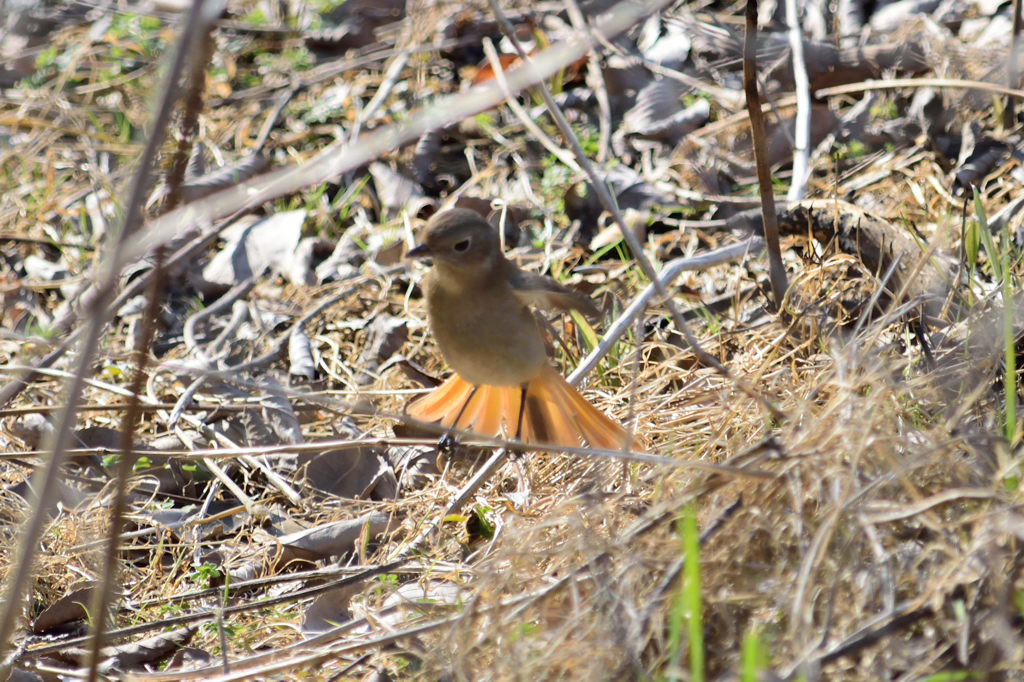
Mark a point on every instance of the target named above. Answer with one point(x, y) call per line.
point(125, 467)
point(1012, 72)
point(1009, 341)
point(776, 271)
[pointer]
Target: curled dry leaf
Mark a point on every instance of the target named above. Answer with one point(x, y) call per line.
point(43, 270)
point(356, 23)
point(133, 654)
point(71, 608)
point(394, 190)
point(330, 609)
point(664, 42)
point(361, 472)
point(299, 268)
point(251, 250)
point(980, 159)
point(19, 674)
point(189, 658)
point(344, 261)
point(431, 598)
point(301, 363)
point(337, 538)
point(32, 429)
point(658, 114)
point(387, 336)
point(278, 413)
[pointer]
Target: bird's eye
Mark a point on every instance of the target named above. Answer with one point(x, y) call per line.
point(461, 246)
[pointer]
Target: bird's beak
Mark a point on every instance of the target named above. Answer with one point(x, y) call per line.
point(420, 251)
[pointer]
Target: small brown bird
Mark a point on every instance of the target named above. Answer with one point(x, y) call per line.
point(478, 305)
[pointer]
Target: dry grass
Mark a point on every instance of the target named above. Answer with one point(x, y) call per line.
point(865, 530)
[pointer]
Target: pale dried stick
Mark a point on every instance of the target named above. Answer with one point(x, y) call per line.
point(802, 85)
point(669, 272)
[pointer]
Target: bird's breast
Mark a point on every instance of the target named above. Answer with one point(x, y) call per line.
point(485, 334)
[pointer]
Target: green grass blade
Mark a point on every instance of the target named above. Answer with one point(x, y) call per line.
point(691, 593)
point(994, 261)
point(1009, 340)
point(753, 657)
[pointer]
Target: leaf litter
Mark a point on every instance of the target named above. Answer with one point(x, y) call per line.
point(284, 519)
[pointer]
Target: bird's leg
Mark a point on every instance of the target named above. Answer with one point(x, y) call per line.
point(447, 442)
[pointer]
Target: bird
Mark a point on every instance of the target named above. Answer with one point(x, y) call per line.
point(479, 311)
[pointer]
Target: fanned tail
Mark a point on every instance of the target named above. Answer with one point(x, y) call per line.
point(547, 420)
point(437, 405)
point(486, 411)
point(555, 413)
point(568, 415)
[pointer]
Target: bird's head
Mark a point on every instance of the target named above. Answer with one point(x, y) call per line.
point(459, 240)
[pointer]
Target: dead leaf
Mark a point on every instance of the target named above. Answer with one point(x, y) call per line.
point(278, 413)
point(356, 23)
point(301, 362)
point(252, 250)
point(421, 598)
point(43, 270)
point(32, 429)
point(664, 41)
point(394, 190)
point(337, 538)
point(659, 114)
point(133, 654)
point(189, 658)
point(344, 261)
point(387, 336)
point(362, 473)
point(18, 674)
point(151, 649)
point(70, 608)
point(416, 464)
point(329, 609)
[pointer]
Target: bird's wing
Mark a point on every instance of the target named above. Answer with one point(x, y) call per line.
point(546, 293)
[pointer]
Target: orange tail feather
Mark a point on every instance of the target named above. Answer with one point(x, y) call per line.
point(547, 420)
point(497, 410)
point(555, 414)
point(483, 414)
point(584, 420)
point(470, 410)
point(437, 405)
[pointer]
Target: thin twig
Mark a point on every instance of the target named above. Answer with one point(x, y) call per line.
point(46, 478)
point(125, 467)
point(776, 270)
point(545, 140)
point(802, 85)
point(896, 83)
point(669, 272)
point(595, 78)
point(608, 202)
